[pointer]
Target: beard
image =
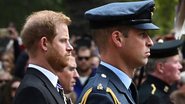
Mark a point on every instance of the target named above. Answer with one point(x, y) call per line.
point(57, 61)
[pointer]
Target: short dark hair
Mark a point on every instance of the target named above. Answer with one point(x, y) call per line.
point(100, 36)
point(39, 24)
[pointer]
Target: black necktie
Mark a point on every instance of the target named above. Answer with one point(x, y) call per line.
point(133, 92)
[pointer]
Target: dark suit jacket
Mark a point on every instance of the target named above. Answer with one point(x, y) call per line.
point(103, 80)
point(36, 88)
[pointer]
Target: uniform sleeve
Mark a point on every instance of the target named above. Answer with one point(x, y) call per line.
point(30, 95)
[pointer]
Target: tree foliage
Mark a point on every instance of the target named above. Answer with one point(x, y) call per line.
point(17, 10)
point(164, 15)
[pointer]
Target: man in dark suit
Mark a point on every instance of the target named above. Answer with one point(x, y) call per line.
point(68, 77)
point(124, 44)
point(46, 38)
point(163, 70)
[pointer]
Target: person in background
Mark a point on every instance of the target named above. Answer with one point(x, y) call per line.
point(120, 33)
point(10, 90)
point(68, 76)
point(178, 97)
point(181, 82)
point(7, 60)
point(95, 61)
point(46, 38)
point(84, 68)
point(163, 70)
point(5, 77)
point(21, 64)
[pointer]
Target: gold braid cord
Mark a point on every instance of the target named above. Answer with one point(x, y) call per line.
point(108, 90)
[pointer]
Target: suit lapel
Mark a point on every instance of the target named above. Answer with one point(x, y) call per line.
point(116, 82)
point(47, 83)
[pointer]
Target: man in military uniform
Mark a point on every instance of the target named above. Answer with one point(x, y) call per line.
point(119, 30)
point(163, 70)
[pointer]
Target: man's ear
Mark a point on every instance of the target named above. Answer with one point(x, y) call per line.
point(160, 67)
point(44, 43)
point(117, 38)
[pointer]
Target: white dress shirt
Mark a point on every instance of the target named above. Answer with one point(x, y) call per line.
point(52, 77)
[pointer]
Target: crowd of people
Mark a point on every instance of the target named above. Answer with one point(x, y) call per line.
point(119, 63)
point(15, 59)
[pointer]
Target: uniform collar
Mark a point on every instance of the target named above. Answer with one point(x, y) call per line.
point(105, 72)
point(125, 79)
point(159, 84)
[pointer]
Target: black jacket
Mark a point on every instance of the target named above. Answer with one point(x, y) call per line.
point(36, 88)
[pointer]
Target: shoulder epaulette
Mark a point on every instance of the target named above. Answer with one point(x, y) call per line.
point(100, 86)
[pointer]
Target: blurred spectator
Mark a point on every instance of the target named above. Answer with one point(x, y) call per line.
point(16, 41)
point(7, 59)
point(83, 41)
point(20, 65)
point(10, 49)
point(3, 42)
point(181, 82)
point(10, 40)
point(4, 77)
point(178, 97)
point(95, 61)
point(10, 90)
point(10, 45)
point(84, 68)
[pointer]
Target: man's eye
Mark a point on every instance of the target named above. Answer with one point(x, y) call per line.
point(144, 34)
point(63, 40)
point(71, 69)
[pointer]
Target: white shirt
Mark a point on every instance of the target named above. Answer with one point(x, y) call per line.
point(125, 79)
point(83, 79)
point(52, 77)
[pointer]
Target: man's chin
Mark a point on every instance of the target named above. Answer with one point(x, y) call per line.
point(144, 62)
point(68, 91)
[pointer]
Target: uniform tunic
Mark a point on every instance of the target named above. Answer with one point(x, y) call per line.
point(154, 91)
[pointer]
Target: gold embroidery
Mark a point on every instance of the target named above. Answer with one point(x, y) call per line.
point(153, 89)
point(100, 87)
